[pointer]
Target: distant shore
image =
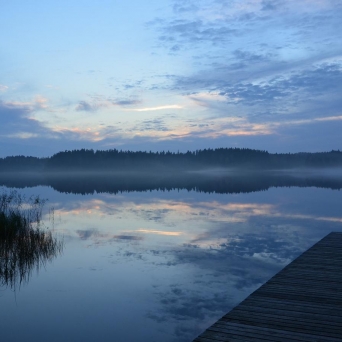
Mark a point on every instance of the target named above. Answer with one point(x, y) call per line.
point(208, 159)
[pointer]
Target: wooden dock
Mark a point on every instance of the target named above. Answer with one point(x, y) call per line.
point(303, 302)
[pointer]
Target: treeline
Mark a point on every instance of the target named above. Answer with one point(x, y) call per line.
point(115, 160)
point(22, 163)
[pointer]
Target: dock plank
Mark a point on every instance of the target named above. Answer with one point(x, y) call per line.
point(303, 302)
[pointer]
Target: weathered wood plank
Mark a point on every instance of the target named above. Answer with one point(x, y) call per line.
point(309, 317)
point(303, 302)
point(331, 290)
point(288, 324)
point(297, 311)
point(272, 302)
point(300, 278)
point(231, 328)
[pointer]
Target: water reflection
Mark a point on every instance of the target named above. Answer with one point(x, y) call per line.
point(24, 244)
point(220, 181)
point(203, 252)
point(171, 262)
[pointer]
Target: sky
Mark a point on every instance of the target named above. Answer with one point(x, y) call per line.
point(170, 75)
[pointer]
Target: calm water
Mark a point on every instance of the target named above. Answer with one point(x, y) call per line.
point(153, 265)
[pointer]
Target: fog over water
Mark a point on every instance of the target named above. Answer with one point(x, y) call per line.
point(170, 254)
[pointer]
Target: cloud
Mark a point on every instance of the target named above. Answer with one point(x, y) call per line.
point(126, 102)
point(38, 103)
point(17, 122)
point(161, 130)
point(185, 31)
point(217, 29)
point(184, 6)
point(297, 97)
point(86, 107)
point(320, 80)
point(80, 134)
point(271, 5)
point(15, 119)
point(150, 109)
point(156, 124)
point(100, 102)
point(242, 59)
point(3, 87)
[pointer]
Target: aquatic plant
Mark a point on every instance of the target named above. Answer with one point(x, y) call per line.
point(25, 243)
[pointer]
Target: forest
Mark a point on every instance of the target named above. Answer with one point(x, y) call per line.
point(139, 161)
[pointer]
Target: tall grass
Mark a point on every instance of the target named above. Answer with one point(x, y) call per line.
point(25, 244)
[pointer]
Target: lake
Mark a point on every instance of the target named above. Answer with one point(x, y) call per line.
point(161, 257)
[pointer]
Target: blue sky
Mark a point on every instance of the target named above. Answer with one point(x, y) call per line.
point(170, 75)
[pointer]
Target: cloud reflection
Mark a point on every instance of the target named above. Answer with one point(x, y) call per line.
point(204, 253)
point(159, 232)
point(171, 213)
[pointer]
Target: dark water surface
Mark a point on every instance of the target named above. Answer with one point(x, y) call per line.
point(160, 258)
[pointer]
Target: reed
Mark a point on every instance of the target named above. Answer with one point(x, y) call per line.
point(25, 243)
